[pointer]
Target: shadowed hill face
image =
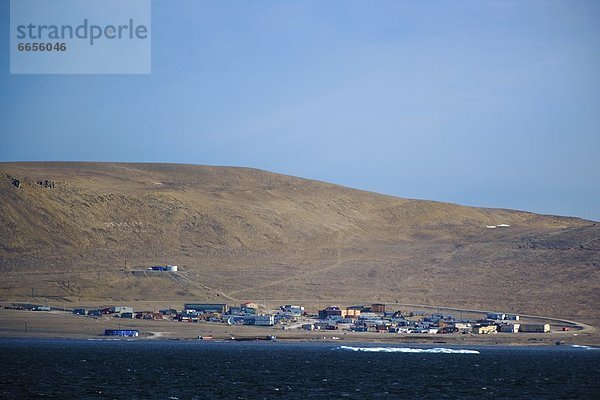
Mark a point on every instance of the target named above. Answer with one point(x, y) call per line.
point(251, 234)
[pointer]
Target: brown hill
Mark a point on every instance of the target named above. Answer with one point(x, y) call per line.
point(78, 232)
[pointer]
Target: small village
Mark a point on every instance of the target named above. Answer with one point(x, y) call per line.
point(376, 318)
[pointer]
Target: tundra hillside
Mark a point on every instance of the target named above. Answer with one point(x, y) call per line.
point(80, 232)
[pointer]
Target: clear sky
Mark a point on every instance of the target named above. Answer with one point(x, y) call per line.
point(484, 103)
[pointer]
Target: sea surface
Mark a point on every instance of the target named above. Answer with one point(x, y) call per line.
point(170, 369)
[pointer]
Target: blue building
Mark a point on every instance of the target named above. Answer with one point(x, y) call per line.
point(122, 332)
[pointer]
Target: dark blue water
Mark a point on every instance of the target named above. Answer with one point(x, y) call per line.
point(59, 369)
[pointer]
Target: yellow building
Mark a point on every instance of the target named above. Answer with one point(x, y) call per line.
point(351, 313)
point(484, 330)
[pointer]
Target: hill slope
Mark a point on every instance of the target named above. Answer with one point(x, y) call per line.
point(79, 231)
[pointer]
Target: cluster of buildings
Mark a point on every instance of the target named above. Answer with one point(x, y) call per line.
point(248, 313)
point(376, 318)
point(507, 323)
point(360, 318)
point(123, 312)
point(30, 307)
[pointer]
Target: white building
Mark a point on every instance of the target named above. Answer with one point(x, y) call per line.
point(121, 309)
point(264, 320)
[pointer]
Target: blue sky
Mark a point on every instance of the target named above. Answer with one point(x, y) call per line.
point(493, 103)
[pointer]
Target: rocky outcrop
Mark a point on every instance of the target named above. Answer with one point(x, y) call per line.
point(16, 182)
point(46, 184)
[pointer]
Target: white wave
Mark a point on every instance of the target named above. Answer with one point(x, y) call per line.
point(438, 350)
point(578, 346)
